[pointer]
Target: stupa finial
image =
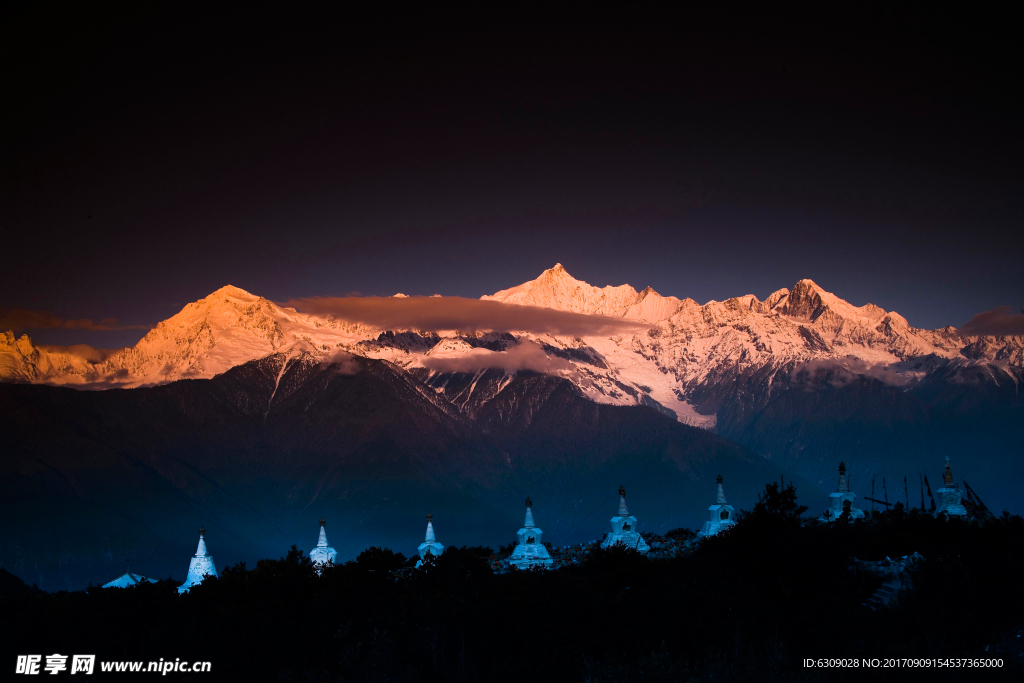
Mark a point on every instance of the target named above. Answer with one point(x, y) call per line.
point(201, 548)
point(322, 540)
point(720, 499)
point(843, 487)
point(947, 476)
point(623, 510)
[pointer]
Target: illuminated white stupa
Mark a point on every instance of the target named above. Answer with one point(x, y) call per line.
point(323, 553)
point(624, 528)
point(430, 547)
point(950, 495)
point(200, 567)
point(841, 500)
point(720, 515)
point(530, 551)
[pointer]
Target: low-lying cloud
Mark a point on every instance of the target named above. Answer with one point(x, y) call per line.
point(527, 355)
point(463, 315)
point(842, 371)
point(18, 319)
point(344, 362)
point(999, 322)
point(112, 380)
point(84, 351)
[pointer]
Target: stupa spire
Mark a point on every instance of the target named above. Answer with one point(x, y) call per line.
point(950, 495)
point(430, 546)
point(843, 486)
point(323, 552)
point(841, 501)
point(623, 510)
point(720, 500)
point(200, 566)
point(201, 549)
point(530, 550)
point(720, 515)
point(624, 530)
point(322, 541)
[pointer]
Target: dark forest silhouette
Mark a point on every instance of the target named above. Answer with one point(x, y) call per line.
point(749, 604)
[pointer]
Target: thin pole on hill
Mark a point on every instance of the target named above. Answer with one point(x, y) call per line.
point(906, 494)
point(921, 480)
point(930, 496)
point(872, 493)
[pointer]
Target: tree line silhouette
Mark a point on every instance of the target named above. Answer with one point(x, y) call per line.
point(749, 604)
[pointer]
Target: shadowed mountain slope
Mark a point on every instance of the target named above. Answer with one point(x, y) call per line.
point(259, 453)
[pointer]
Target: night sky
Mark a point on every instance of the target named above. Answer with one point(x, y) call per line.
point(151, 158)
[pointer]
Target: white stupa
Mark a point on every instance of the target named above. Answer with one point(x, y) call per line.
point(323, 554)
point(950, 495)
point(200, 567)
point(128, 579)
point(841, 500)
point(430, 547)
point(530, 552)
point(720, 515)
point(624, 528)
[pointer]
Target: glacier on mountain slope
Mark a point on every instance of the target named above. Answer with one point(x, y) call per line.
point(687, 347)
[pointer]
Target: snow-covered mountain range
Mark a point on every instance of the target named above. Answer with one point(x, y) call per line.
point(678, 361)
point(297, 414)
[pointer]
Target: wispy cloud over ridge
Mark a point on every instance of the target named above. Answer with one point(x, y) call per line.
point(840, 371)
point(18, 319)
point(84, 351)
point(526, 356)
point(999, 322)
point(461, 314)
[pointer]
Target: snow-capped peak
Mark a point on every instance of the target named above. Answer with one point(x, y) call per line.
point(556, 288)
point(226, 328)
point(232, 292)
point(807, 302)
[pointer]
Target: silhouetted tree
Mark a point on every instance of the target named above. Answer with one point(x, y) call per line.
point(778, 503)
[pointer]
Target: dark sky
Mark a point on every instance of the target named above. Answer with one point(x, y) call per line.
point(149, 159)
